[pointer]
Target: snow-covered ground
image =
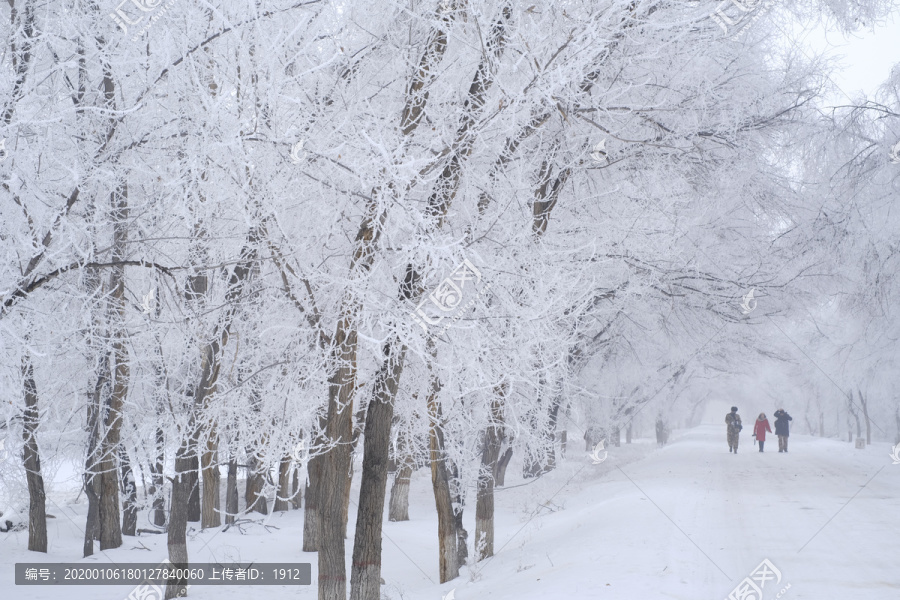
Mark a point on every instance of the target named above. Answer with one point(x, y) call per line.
point(688, 521)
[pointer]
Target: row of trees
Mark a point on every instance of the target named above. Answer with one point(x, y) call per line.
point(216, 235)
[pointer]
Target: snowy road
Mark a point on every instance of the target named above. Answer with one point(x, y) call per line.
point(691, 521)
point(688, 522)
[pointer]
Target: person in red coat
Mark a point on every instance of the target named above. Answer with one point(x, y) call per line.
point(760, 428)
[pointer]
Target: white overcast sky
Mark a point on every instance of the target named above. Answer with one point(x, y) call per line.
point(868, 56)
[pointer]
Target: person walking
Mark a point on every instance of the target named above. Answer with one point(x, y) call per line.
point(782, 429)
point(760, 428)
point(733, 421)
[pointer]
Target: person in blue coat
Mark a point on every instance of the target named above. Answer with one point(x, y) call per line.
point(782, 429)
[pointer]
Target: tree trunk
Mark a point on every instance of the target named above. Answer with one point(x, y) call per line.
point(283, 494)
point(129, 493)
point(543, 460)
point(296, 499)
point(448, 558)
point(314, 468)
point(253, 492)
point(332, 485)
point(628, 433)
point(365, 572)
point(345, 508)
point(500, 474)
point(231, 493)
point(192, 478)
point(21, 55)
point(311, 513)
point(330, 491)
point(864, 403)
point(92, 461)
point(110, 523)
point(404, 464)
point(533, 465)
point(551, 433)
point(157, 481)
point(448, 567)
point(399, 504)
point(178, 516)
point(37, 512)
point(254, 498)
point(897, 423)
point(462, 536)
point(490, 455)
point(851, 407)
point(211, 508)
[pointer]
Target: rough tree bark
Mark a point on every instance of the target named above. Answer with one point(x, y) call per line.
point(92, 460)
point(551, 430)
point(157, 477)
point(129, 494)
point(253, 496)
point(500, 471)
point(231, 493)
point(157, 480)
point(283, 493)
point(462, 535)
point(37, 512)
point(211, 501)
point(490, 455)
point(254, 499)
point(398, 506)
point(448, 558)
point(110, 519)
point(314, 475)
point(296, 498)
point(331, 486)
point(178, 516)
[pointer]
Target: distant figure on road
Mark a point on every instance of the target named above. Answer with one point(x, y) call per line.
point(733, 420)
point(760, 428)
point(782, 429)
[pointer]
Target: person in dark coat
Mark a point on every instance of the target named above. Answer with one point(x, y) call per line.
point(733, 421)
point(760, 428)
point(782, 429)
